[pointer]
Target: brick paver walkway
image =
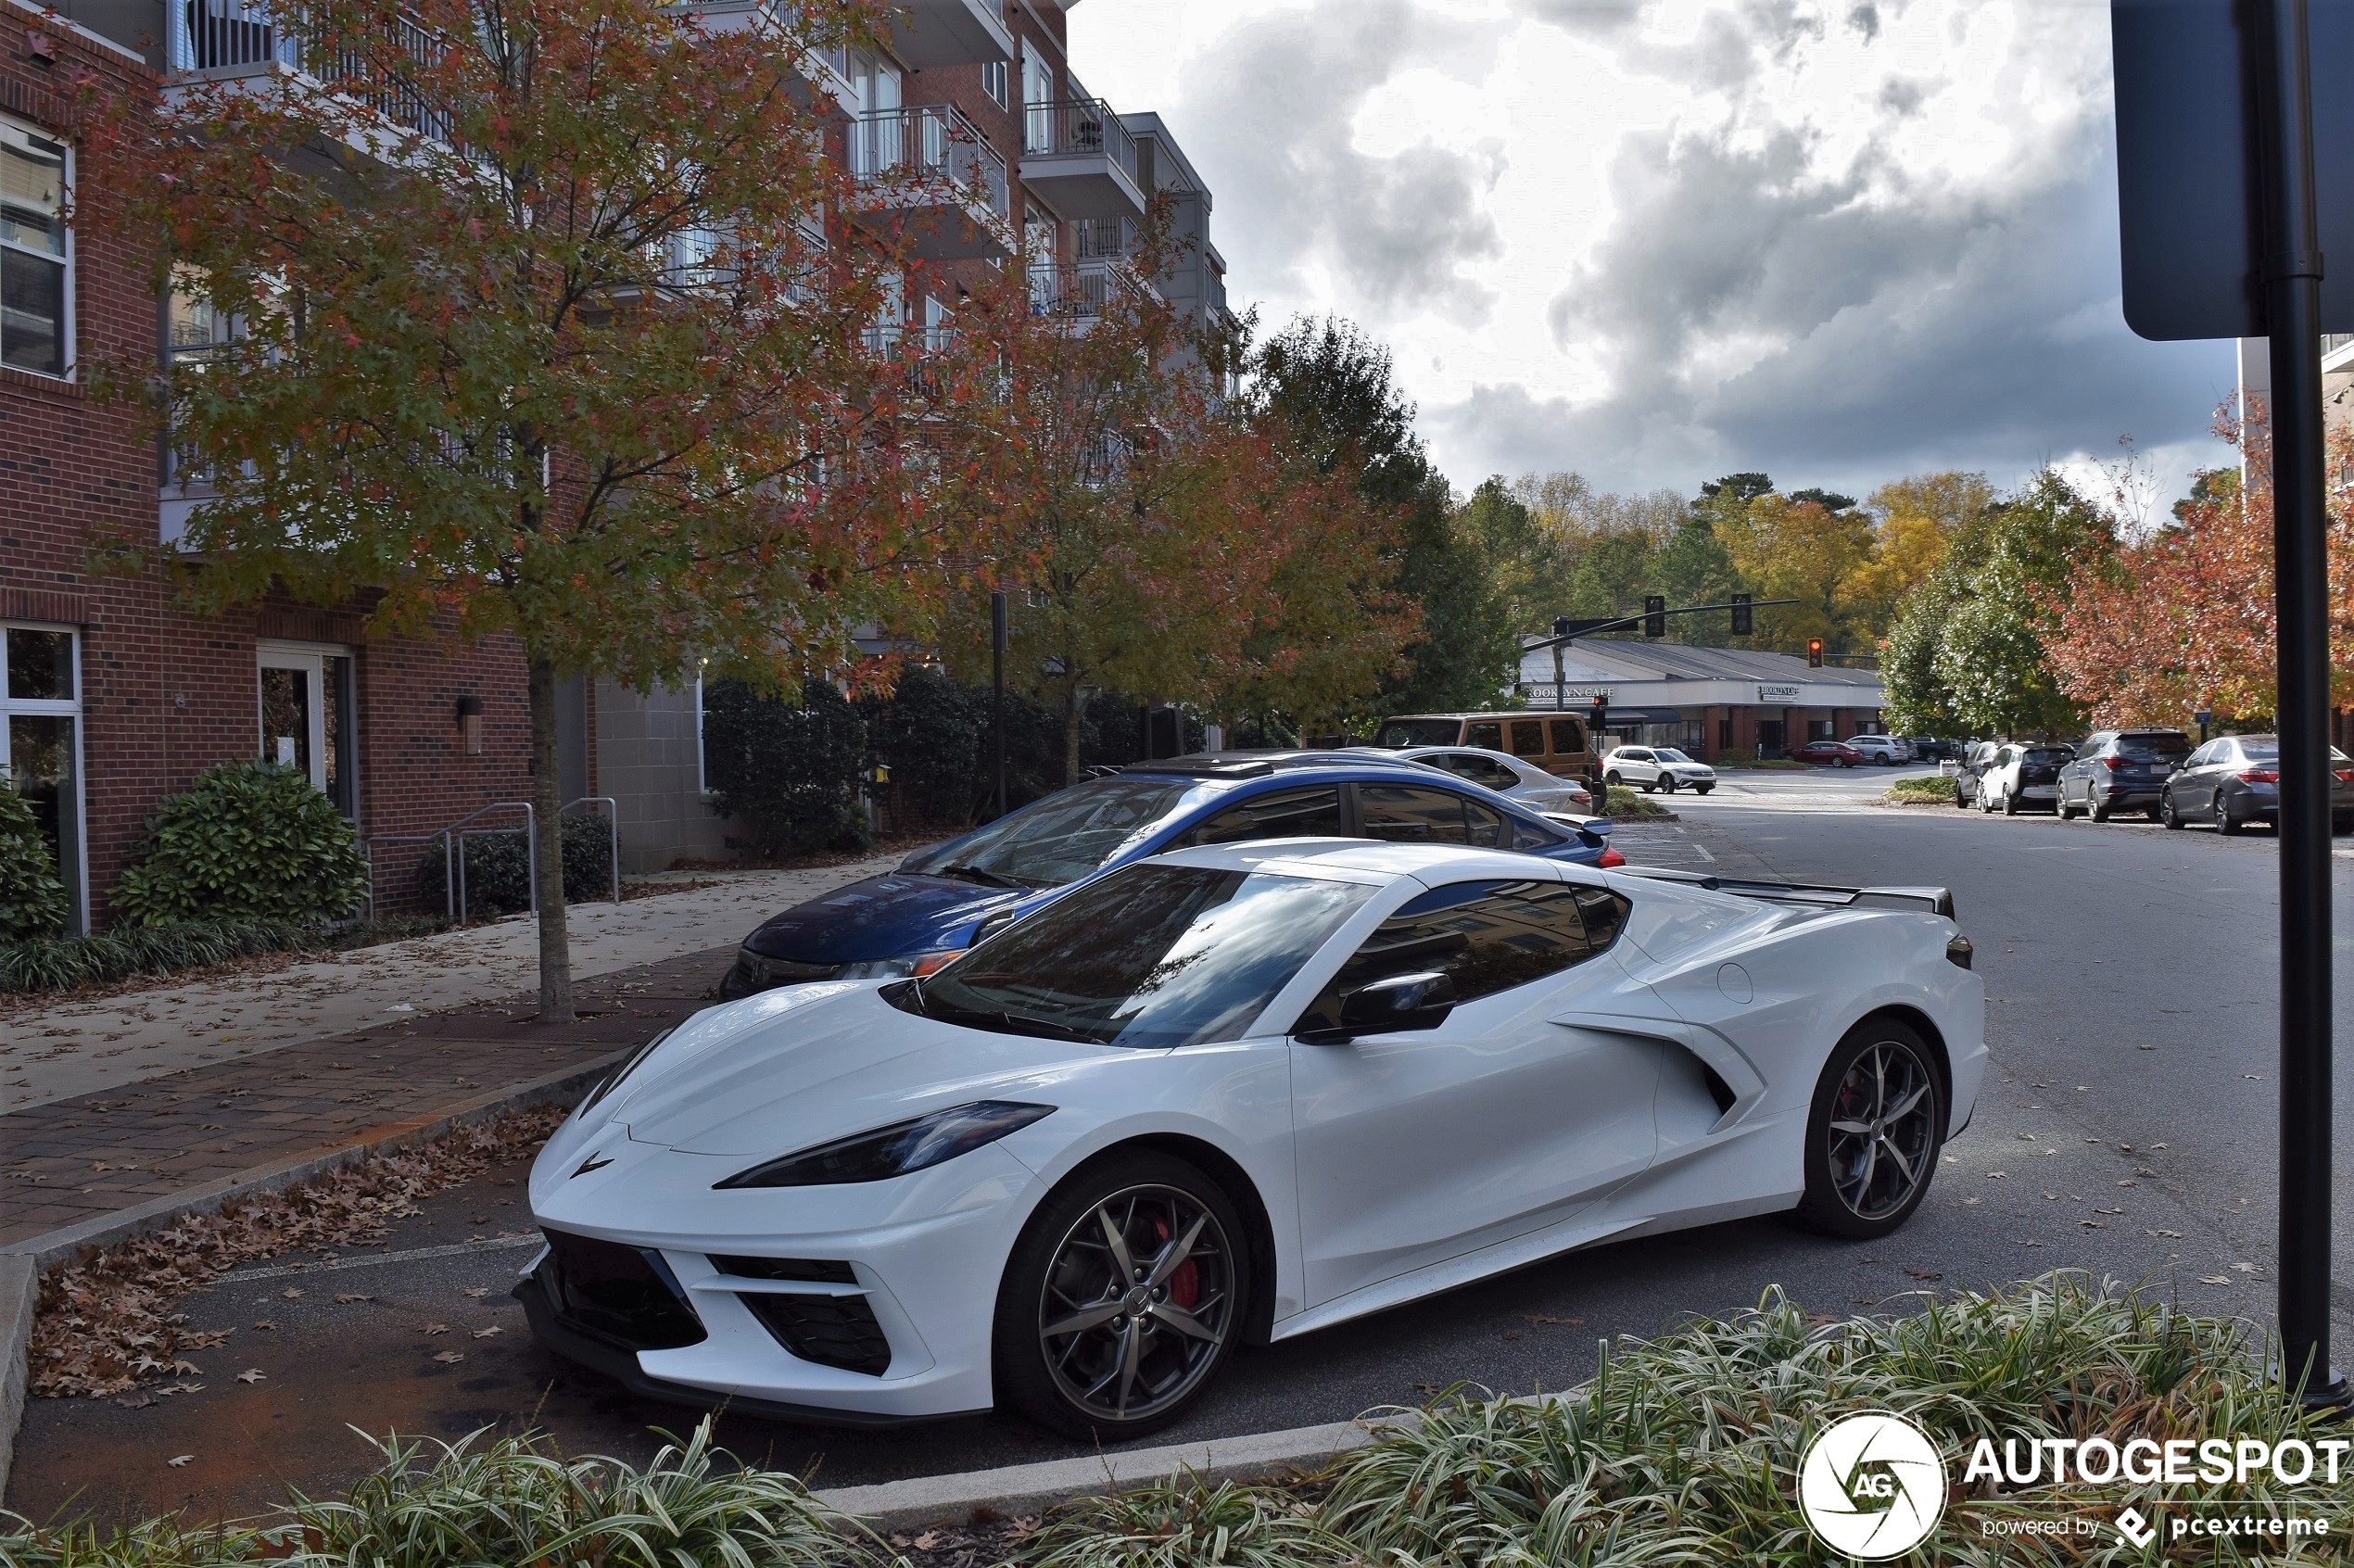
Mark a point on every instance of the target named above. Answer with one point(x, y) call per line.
point(71, 1161)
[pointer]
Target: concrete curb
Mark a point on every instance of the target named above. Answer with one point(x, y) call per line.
point(22, 1263)
point(1028, 1488)
point(19, 1288)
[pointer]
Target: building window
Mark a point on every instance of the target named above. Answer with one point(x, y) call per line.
point(1037, 99)
point(306, 702)
point(36, 253)
point(993, 81)
point(41, 722)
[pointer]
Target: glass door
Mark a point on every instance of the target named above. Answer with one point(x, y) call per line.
point(305, 702)
point(41, 727)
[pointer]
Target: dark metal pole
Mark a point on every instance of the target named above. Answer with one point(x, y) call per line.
point(2293, 301)
point(997, 689)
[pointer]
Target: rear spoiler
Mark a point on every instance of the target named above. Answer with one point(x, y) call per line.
point(1822, 895)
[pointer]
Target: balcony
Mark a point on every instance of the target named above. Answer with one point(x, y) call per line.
point(1084, 292)
point(2337, 353)
point(218, 40)
point(825, 73)
point(928, 174)
point(1080, 158)
point(925, 33)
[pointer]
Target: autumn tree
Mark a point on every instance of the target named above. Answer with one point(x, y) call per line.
point(535, 330)
point(1970, 648)
point(1327, 392)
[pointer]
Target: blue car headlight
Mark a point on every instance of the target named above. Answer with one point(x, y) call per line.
point(897, 1150)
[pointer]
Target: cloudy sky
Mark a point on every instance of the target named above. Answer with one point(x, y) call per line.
point(1657, 241)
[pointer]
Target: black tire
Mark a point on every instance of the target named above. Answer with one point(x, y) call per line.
point(1155, 1199)
point(1961, 801)
point(2067, 813)
point(2223, 823)
point(2101, 809)
point(1848, 1195)
point(1613, 779)
point(2010, 803)
point(1847, 762)
point(1667, 783)
point(2168, 812)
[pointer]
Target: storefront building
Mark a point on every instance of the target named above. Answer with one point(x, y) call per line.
point(1711, 703)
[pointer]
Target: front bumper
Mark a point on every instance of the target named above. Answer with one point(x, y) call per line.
point(923, 1254)
point(753, 973)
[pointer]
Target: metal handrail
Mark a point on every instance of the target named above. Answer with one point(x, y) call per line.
point(613, 822)
point(932, 140)
point(1068, 126)
point(453, 863)
point(227, 38)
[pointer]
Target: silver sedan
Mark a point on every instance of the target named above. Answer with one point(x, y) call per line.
point(1525, 783)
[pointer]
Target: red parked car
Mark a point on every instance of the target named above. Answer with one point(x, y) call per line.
point(1839, 753)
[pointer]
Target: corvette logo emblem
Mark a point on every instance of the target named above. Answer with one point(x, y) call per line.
point(1872, 1486)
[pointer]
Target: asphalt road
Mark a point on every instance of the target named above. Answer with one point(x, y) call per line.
point(2126, 1129)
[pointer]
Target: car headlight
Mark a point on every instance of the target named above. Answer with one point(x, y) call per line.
point(908, 966)
point(613, 1081)
point(900, 1150)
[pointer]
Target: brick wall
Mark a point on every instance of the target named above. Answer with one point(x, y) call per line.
point(165, 694)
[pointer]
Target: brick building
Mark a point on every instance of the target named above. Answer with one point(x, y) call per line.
point(114, 697)
point(984, 90)
point(1710, 701)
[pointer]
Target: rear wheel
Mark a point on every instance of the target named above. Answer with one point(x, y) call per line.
point(2223, 823)
point(2100, 808)
point(2168, 813)
point(1613, 779)
point(1873, 1133)
point(2010, 803)
point(1123, 1299)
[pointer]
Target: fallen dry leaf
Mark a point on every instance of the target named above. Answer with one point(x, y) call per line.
point(436, 1328)
point(251, 1375)
point(346, 1298)
point(266, 1327)
point(486, 1334)
point(2247, 1268)
point(2171, 1235)
point(179, 1460)
point(291, 1293)
point(1549, 1318)
point(927, 1541)
point(1512, 1334)
point(2215, 1279)
point(477, 1290)
point(1925, 1273)
point(451, 1356)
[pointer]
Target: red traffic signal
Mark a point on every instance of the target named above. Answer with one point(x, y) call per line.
point(1814, 653)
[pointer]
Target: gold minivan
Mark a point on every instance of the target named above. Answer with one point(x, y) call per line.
point(1556, 743)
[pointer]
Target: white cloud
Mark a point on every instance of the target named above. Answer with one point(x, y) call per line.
point(1837, 242)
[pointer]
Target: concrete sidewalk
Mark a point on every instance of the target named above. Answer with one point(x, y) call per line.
point(52, 1051)
point(200, 1086)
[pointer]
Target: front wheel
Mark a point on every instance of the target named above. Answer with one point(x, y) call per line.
point(1669, 783)
point(2168, 812)
point(1122, 1298)
point(2010, 803)
point(1873, 1133)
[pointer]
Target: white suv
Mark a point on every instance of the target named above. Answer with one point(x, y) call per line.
point(1658, 767)
point(1886, 750)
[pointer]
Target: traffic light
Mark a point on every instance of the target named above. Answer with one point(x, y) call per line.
point(1814, 653)
point(1655, 615)
point(1742, 613)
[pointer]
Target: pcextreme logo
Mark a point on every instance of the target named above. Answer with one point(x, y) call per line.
point(1871, 1485)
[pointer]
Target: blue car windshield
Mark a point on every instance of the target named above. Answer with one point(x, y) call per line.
point(1061, 839)
point(1151, 956)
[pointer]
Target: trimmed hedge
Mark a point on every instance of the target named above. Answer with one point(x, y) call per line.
point(247, 842)
point(788, 772)
point(33, 897)
point(498, 870)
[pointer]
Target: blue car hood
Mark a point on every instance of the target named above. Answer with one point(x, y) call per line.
point(881, 917)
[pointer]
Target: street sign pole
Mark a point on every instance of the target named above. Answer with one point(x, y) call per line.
point(997, 690)
point(2292, 274)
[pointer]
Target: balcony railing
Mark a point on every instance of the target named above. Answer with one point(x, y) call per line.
point(929, 141)
point(1073, 126)
point(1085, 291)
point(224, 38)
point(1104, 239)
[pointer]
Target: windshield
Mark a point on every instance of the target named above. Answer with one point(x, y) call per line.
point(1151, 956)
point(1669, 753)
point(2047, 754)
point(1398, 733)
point(1066, 836)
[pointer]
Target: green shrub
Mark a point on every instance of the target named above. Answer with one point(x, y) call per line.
point(245, 841)
point(33, 898)
point(498, 870)
point(790, 772)
point(1185, 1523)
point(1933, 790)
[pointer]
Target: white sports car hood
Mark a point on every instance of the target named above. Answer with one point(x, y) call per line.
point(763, 1081)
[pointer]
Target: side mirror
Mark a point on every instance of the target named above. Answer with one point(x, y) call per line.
point(1400, 1002)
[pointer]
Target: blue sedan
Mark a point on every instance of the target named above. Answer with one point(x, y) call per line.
point(942, 900)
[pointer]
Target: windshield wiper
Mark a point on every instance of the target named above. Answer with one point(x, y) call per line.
point(1011, 1023)
point(976, 874)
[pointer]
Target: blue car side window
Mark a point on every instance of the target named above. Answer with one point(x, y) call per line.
point(1274, 814)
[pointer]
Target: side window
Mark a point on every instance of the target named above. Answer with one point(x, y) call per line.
point(1486, 936)
point(1279, 814)
point(1488, 771)
point(1487, 737)
point(1569, 735)
point(1528, 738)
point(34, 333)
point(1408, 815)
point(1463, 765)
point(1485, 827)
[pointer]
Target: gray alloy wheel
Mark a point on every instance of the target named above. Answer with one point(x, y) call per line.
point(2168, 812)
point(2100, 808)
point(1123, 1296)
point(2223, 823)
point(1667, 782)
point(1874, 1132)
point(2067, 813)
point(2010, 803)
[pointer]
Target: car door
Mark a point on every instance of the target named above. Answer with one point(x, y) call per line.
point(2076, 779)
point(2188, 780)
point(1418, 1146)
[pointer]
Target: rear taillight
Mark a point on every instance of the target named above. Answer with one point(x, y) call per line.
point(1609, 858)
point(2345, 775)
point(2261, 775)
point(2117, 765)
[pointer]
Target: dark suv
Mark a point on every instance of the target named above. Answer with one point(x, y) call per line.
point(2120, 770)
